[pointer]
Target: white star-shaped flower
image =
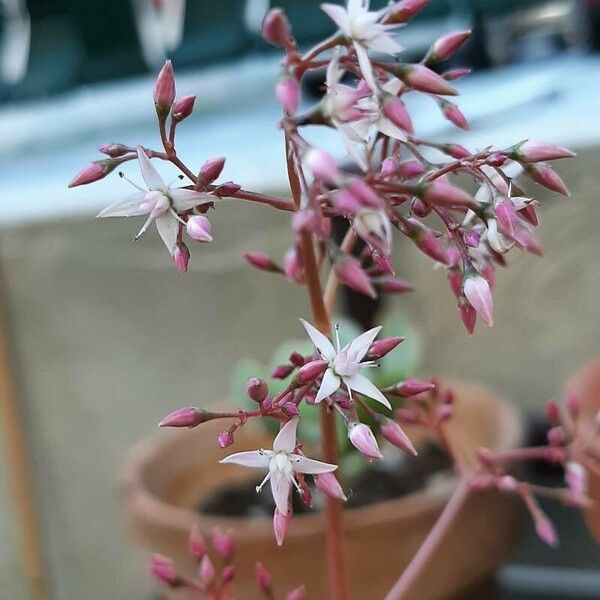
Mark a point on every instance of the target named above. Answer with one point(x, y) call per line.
point(345, 364)
point(160, 201)
point(282, 463)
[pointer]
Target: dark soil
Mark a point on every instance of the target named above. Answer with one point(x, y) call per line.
point(377, 482)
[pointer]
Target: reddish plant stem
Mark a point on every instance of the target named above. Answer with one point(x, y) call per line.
point(425, 553)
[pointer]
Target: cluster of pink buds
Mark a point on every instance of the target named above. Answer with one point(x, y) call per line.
point(215, 576)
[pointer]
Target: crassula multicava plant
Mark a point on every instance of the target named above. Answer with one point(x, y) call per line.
point(391, 182)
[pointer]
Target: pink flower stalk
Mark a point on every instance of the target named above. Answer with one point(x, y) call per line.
point(322, 165)
point(183, 108)
point(445, 46)
point(282, 462)
point(443, 193)
point(93, 172)
point(454, 115)
point(383, 347)
point(544, 175)
point(211, 170)
point(409, 387)
point(423, 79)
point(394, 434)
point(311, 370)
point(198, 227)
point(364, 441)
point(181, 257)
point(281, 525)
point(262, 261)
point(263, 579)
point(164, 90)
point(163, 569)
point(206, 569)
point(329, 485)
point(478, 293)
point(257, 389)
point(223, 542)
point(196, 543)
point(188, 416)
point(276, 28)
point(225, 439)
point(350, 273)
point(541, 151)
point(288, 94)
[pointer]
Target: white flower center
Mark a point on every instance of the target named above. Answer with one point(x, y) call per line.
point(344, 364)
point(361, 27)
point(157, 202)
point(281, 463)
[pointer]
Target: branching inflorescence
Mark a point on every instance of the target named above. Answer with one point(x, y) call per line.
point(393, 181)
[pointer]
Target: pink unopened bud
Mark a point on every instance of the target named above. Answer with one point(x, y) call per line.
point(423, 79)
point(211, 169)
point(290, 409)
point(115, 150)
point(181, 257)
point(206, 569)
point(454, 115)
point(443, 193)
point(223, 542)
point(540, 151)
point(363, 440)
point(228, 574)
point(329, 485)
point(468, 316)
point(444, 412)
point(288, 94)
point(444, 47)
point(350, 273)
point(409, 387)
point(546, 531)
point(405, 10)
point(455, 151)
point(263, 578)
point(229, 188)
point(455, 281)
point(311, 370)
point(93, 172)
point(478, 293)
point(292, 266)
point(225, 438)
point(298, 593)
point(188, 416)
point(408, 416)
point(296, 358)
point(544, 175)
point(276, 28)
point(394, 434)
point(262, 261)
point(281, 524)
point(183, 107)
point(395, 111)
point(196, 543)
point(282, 371)
point(409, 169)
point(198, 227)
point(257, 389)
point(164, 90)
point(507, 484)
point(389, 167)
point(393, 285)
point(454, 74)
point(322, 165)
point(553, 412)
point(556, 436)
point(429, 244)
point(382, 347)
point(365, 194)
point(163, 569)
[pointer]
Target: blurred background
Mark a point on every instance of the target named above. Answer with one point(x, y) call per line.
point(102, 338)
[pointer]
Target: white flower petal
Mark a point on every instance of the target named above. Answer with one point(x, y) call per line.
point(168, 227)
point(352, 148)
point(388, 128)
point(361, 384)
point(285, 441)
point(153, 180)
point(331, 383)
point(393, 86)
point(309, 465)
point(253, 458)
point(338, 15)
point(321, 342)
point(356, 8)
point(280, 487)
point(360, 346)
point(365, 66)
point(386, 44)
point(185, 199)
point(127, 208)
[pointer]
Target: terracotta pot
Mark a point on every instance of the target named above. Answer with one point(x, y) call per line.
point(168, 473)
point(586, 448)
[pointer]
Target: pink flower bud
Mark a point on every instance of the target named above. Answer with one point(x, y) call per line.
point(296, 359)
point(229, 188)
point(409, 169)
point(288, 94)
point(393, 285)
point(544, 175)
point(206, 569)
point(395, 111)
point(183, 108)
point(365, 194)
point(553, 413)
point(290, 409)
point(540, 151)
point(408, 416)
point(454, 74)
point(298, 593)
point(444, 412)
point(468, 316)
point(211, 169)
point(93, 172)
point(409, 387)
point(507, 484)
point(497, 159)
point(164, 90)
point(546, 531)
point(276, 28)
point(322, 165)
point(198, 227)
point(443, 193)
point(444, 47)
point(384, 263)
point(471, 238)
point(455, 281)
point(329, 485)
point(389, 167)
point(431, 246)
point(181, 257)
point(423, 79)
point(454, 115)
point(382, 347)
point(311, 370)
point(350, 273)
point(405, 10)
point(163, 569)
point(479, 295)
point(281, 524)
point(282, 371)
point(263, 578)
point(292, 267)
point(223, 542)
point(556, 436)
point(455, 151)
point(257, 389)
point(225, 439)
point(482, 482)
point(228, 574)
point(363, 440)
point(188, 416)
point(262, 261)
point(196, 543)
point(115, 150)
point(506, 217)
point(394, 434)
